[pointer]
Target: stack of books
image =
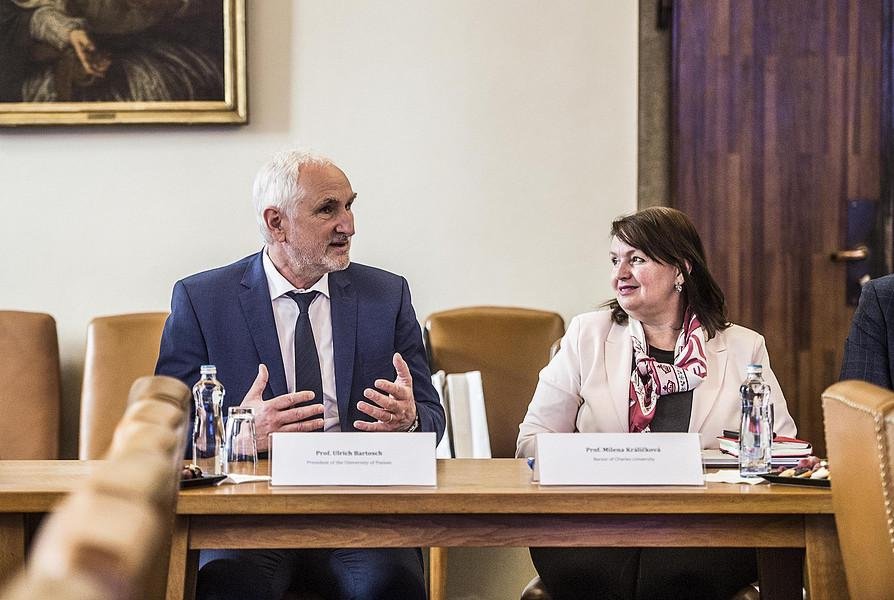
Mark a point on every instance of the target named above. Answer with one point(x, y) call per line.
point(784, 449)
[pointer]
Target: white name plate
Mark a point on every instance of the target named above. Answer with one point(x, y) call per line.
point(352, 459)
point(619, 459)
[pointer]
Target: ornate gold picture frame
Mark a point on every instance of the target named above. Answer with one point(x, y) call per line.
point(89, 62)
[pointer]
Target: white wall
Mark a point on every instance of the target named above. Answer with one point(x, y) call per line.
point(490, 143)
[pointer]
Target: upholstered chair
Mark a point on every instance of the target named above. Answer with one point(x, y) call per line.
point(105, 539)
point(29, 386)
point(120, 349)
point(509, 346)
point(859, 422)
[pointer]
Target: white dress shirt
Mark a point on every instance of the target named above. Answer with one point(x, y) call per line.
point(285, 314)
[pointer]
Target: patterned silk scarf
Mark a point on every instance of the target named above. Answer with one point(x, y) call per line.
point(651, 379)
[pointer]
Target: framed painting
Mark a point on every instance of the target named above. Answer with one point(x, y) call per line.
point(92, 62)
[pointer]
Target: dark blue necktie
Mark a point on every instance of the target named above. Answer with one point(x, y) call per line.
point(307, 363)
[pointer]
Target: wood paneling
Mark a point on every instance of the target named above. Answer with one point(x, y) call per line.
point(775, 126)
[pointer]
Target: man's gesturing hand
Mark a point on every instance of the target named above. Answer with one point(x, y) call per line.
point(280, 413)
point(396, 410)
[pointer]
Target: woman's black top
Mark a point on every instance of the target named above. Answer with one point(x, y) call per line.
point(673, 411)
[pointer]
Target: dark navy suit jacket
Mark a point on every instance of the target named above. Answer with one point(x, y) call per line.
point(867, 349)
point(224, 317)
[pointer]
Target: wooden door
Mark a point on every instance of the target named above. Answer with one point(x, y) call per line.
point(775, 129)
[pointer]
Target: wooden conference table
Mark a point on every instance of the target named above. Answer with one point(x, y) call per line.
point(484, 503)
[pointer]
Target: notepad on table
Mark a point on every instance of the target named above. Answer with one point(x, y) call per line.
point(782, 446)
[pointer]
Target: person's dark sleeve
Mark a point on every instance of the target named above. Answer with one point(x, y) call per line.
point(408, 341)
point(182, 349)
point(866, 348)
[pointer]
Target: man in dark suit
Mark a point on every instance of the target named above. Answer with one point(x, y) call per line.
point(866, 351)
point(262, 320)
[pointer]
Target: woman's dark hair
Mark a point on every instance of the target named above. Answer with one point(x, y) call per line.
point(668, 236)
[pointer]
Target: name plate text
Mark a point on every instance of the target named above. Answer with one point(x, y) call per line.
point(619, 459)
point(352, 458)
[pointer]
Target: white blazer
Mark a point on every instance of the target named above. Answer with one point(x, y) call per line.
point(585, 386)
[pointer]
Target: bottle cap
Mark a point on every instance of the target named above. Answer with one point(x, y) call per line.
point(754, 369)
point(208, 370)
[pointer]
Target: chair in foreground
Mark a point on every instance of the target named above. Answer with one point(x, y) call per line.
point(120, 349)
point(508, 346)
point(104, 539)
point(29, 386)
point(859, 420)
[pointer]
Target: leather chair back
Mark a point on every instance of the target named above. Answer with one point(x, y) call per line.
point(106, 538)
point(509, 346)
point(859, 420)
point(29, 386)
point(120, 349)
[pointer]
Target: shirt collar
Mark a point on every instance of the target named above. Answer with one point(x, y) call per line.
point(280, 286)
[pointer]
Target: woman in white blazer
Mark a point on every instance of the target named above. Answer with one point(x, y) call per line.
point(663, 357)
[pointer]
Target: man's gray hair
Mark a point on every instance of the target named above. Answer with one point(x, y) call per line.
point(276, 184)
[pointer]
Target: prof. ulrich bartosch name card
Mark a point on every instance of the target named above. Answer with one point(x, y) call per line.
point(353, 459)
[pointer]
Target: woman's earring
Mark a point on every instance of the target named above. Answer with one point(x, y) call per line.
point(678, 287)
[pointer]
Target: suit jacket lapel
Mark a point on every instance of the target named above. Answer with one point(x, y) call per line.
point(258, 310)
point(618, 366)
point(343, 307)
point(705, 396)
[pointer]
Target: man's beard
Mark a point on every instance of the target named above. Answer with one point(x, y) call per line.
point(321, 262)
point(339, 262)
point(333, 263)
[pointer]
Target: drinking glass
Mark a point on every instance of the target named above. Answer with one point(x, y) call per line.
point(241, 444)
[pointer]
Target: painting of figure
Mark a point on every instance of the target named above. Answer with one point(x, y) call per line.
point(179, 56)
